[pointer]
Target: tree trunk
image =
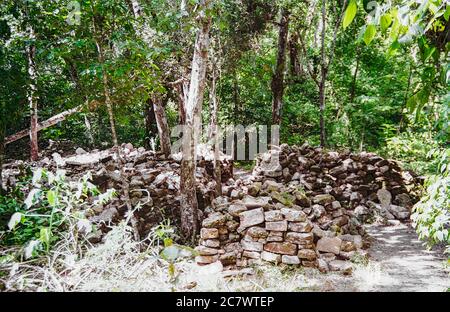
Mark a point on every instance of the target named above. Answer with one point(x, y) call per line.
point(2, 155)
point(278, 76)
point(323, 78)
point(214, 135)
point(151, 128)
point(355, 75)
point(32, 98)
point(188, 201)
point(163, 128)
point(106, 93)
point(159, 112)
point(295, 66)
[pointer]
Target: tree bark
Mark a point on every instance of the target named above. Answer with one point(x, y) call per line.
point(295, 66)
point(278, 76)
point(158, 109)
point(214, 135)
point(163, 127)
point(2, 155)
point(106, 93)
point(151, 128)
point(188, 200)
point(355, 75)
point(32, 97)
point(323, 78)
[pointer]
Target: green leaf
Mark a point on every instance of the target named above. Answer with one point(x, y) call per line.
point(15, 219)
point(45, 236)
point(447, 12)
point(370, 33)
point(349, 14)
point(51, 197)
point(385, 21)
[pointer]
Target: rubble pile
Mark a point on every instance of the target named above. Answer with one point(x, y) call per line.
point(304, 206)
point(148, 178)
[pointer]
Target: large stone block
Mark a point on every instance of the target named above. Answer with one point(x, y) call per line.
point(209, 233)
point(277, 226)
point(329, 244)
point(284, 248)
point(293, 215)
point(300, 238)
point(251, 217)
point(270, 257)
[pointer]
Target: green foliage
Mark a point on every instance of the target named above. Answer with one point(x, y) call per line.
point(350, 13)
point(413, 150)
point(53, 208)
point(431, 215)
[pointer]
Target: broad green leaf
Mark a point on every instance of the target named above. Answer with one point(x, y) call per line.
point(45, 236)
point(385, 21)
point(369, 34)
point(15, 219)
point(349, 14)
point(51, 197)
point(447, 12)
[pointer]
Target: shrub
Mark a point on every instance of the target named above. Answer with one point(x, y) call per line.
point(431, 215)
point(53, 209)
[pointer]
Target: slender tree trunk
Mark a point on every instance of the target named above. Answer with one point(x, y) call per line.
point(324, 72)
point(405, 101)
point(214, 136)
point(160, 114)
point(188, 201)
point(76, 80)
point(163, 127)
point(278, 76)
point(295, 66)
point(106, 93)
point(355, 75)
point(151, 128)
point(32, 97)
point(182, 89)
point(2, 155)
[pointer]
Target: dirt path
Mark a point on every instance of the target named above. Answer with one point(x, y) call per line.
point(405, 264)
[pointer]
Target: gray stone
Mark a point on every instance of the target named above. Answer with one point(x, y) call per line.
point(255, 202)
point(208, 233)
point(273, 215)
point(270, 257)
point(341, 266)
point(323, 199)
point(206, 251)
point(329, 244)
point(300, 238)
point(293, 215)
point(214, 220)
point(236, 208)
point(251, 217)
point(302, 227)
point(251, 246)
point(277, 226)
point(286, 259)
point(307, 254)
